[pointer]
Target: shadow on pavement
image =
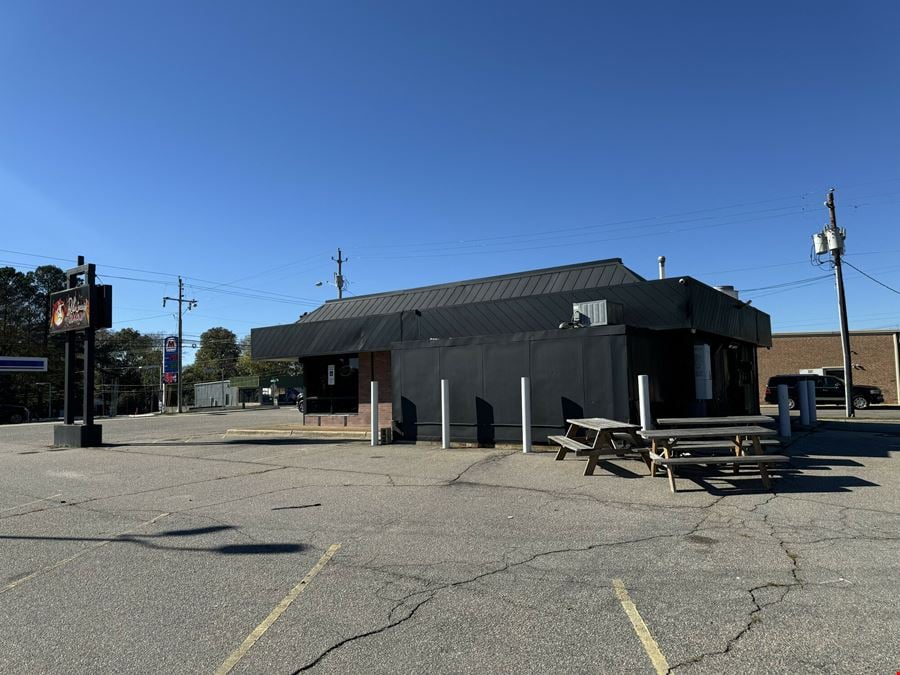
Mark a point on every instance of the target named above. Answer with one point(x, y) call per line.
point(144, 540)
point(231, 441)
point(877, 428)
point(785, 484)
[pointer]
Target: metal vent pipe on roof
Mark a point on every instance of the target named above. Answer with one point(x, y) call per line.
point(728, 290)
point(662, 266)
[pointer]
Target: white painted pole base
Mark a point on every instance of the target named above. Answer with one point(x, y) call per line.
point(526, 415)
point(445, 414)
point(644, 401)
point(373, 399)
point(784, 412)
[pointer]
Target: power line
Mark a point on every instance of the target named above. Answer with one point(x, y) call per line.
point(630, 222)
point(788, 283)
point(250, 293)
point(555, 235)
point(869, 276)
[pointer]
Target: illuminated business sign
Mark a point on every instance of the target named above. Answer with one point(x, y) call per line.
point(80, 308)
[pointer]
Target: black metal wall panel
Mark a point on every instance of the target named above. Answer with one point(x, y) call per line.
point(606, 378)
point(416, 391)
point(462, 366)
point(505, 365)
point(500, 408)
point(668, 358)
point(557, 381)
point(575, 374)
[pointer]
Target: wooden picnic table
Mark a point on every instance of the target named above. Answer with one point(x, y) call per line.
point(738, 437)
point(732, 420)
point(593, 437)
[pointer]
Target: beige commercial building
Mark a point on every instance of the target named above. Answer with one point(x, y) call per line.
point(874, 354)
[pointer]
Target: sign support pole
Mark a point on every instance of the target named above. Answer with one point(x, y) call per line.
point(79, 307)
point(69, 395)
point(88, 402)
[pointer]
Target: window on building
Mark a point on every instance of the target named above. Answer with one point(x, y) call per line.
point(332, 384)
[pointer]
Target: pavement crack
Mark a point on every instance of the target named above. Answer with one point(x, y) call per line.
point(490, 459)
point(432, 592)
point(375, 631)
point(752, 620)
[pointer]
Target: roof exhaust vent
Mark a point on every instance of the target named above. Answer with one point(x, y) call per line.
point(728, 290)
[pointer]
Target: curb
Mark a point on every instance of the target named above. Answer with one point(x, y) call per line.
point(300, 433)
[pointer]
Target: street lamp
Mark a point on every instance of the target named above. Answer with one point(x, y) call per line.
point(340, 283)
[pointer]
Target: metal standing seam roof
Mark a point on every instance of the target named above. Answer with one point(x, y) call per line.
point(666, 304)
point(596, 274)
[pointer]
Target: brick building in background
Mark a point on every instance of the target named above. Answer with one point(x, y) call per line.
point(875, 356)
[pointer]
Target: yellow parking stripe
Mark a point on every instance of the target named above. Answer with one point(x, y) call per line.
point(280, 608)
point(36, 501)
point(61, 563)
point(656, 656)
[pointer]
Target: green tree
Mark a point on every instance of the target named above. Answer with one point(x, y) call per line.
point(25, 331)
point(217, 356)
point(128, 369)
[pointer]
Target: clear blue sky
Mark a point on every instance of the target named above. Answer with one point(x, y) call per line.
point(240, 144)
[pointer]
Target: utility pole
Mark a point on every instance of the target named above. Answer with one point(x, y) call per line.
point(338, 277)
point(191, 304)
point(831, 239)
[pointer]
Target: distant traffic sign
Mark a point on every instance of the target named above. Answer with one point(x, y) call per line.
point(23, 364)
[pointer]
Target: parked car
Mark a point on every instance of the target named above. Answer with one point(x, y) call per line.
point(829, 389)
point(13, 414)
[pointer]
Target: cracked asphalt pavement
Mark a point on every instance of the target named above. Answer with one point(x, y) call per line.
point(163, 550)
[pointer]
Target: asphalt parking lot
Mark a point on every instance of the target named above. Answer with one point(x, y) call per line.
point(178, 548)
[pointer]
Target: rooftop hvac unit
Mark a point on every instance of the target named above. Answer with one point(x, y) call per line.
point(597, 313)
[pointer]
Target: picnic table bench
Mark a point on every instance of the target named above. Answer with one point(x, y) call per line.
point(740, 438)
point(730, 421)
point(596, 436)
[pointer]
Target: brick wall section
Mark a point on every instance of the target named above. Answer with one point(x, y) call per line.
point(382, 363)
point(873, 352)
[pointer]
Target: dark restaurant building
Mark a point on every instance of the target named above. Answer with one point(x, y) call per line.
point(581, 333)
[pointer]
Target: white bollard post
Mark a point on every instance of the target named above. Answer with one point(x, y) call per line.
point(526, 415)
point(784, 412)
point(373, 398)
point(811, 397)
point(644, 401)
point(445, 414)
point(803, 396)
